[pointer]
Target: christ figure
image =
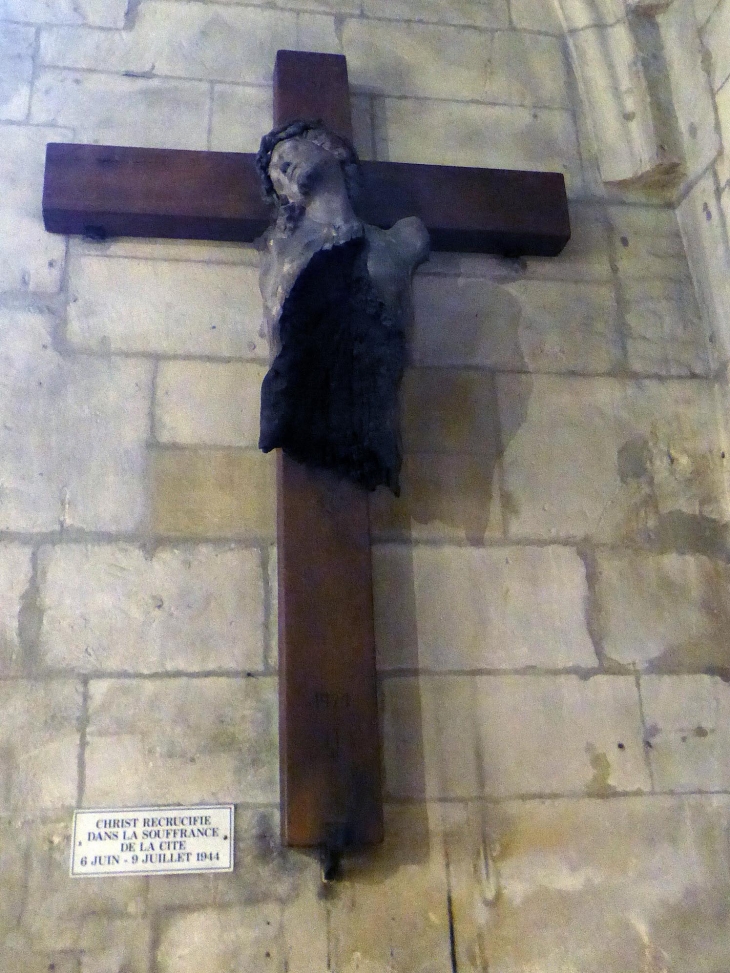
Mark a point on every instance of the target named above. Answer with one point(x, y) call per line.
point(336, 296)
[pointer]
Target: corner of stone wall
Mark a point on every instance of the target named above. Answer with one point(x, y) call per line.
point(654, 75)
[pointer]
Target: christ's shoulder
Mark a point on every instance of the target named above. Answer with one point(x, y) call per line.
point(407, 241)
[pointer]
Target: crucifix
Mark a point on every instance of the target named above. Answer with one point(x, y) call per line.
point(329, 737)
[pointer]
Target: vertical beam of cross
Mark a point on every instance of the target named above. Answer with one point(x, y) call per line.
point(329, 739)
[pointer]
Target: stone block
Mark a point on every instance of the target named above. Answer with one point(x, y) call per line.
point(526, 69)
point(111, 608)
point(58, 914)
point(108, 109)
point(572, 15)
point(167, 308)
point(77, 457)
point(16, 69)
point(714, 36)
point(459, 608)
point(493, 13)
point(416, 60)
point(391, 910)
point(684, 424)
point(613, 85)
point(554, 429)
point(596, 886)
point(688, 726)
point(17, 954)
point(647, 243)
point(566, 327)
point(181, 741)
point(265, 874)
point(208, 403)
point(444, 496)
point(101, 942)
point(213, 43)
point(543, 17)
point(428, 61)
point(611, 460)
point(244, 938)
point(15, 575)
point(664, 612)
point(213, 493)
point(448, 411)
point(122, 943)
point(241, 115)
point(269, 911)
point(666, 332)
point(528, 138)
point(284, 931)
point(39, 741)
point(458, 736)
point(692, 104)
point(93, 13)
point(30, 258)
point(523, 325)
point(320, 33)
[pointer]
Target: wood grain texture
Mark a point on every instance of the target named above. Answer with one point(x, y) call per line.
point(329, 730)
point(106, 191)
point(309, 87)
point(328, 710)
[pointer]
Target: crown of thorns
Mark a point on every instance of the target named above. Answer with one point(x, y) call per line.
point(316, 132)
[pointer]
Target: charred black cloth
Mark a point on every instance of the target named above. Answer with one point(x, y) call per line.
point(330, 398)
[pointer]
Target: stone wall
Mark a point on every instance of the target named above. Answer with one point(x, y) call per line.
point(704, 212)
point(552, 599)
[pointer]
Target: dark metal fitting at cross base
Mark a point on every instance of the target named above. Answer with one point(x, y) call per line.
point(337, 842)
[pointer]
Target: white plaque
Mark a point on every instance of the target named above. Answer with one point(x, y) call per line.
point(152, 841)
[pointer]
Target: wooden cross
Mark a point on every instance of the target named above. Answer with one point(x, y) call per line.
point(329, 739)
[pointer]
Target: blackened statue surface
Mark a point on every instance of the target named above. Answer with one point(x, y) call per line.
point(336, 296)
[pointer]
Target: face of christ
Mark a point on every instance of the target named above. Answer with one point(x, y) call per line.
point(312, 173)
point(299, 165)
point(337, 293)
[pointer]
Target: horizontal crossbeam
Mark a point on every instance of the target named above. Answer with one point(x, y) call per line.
point(107, 191)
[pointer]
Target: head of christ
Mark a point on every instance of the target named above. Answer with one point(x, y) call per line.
point(299, 160)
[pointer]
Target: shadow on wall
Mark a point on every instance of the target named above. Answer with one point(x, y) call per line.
point(451, 496)
point(451, 436)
